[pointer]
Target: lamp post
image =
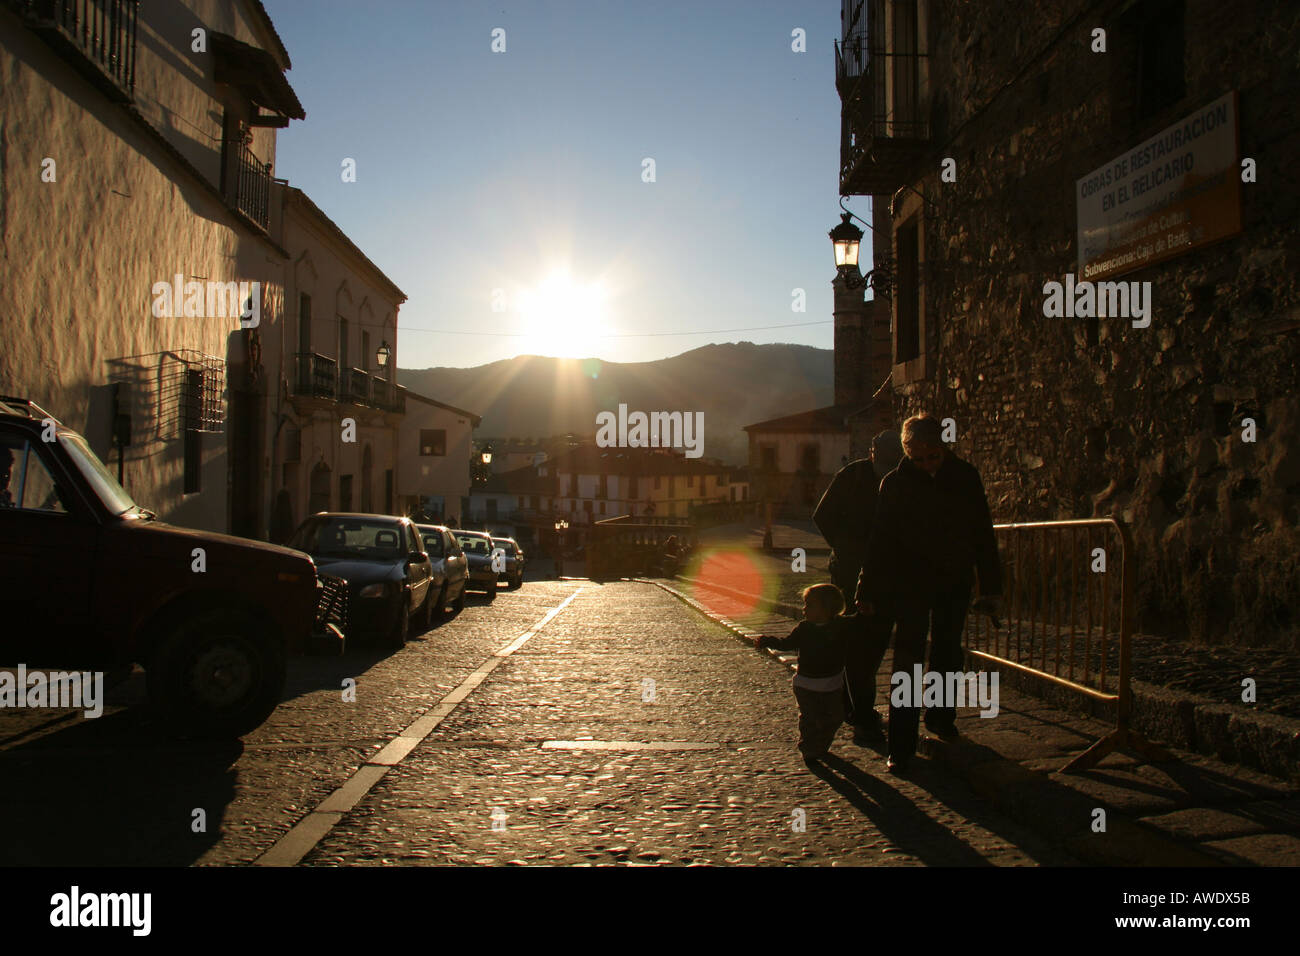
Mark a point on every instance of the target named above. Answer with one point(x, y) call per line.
point(560, 527)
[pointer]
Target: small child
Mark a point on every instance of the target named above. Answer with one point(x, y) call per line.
point(821, 641)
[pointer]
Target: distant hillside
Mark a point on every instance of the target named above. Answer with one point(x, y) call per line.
point(734, 385)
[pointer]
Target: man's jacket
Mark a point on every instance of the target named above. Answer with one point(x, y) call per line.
point(930, 531)
point(843, 516)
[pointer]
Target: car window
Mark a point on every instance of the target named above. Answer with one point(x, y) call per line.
point(349, 537)
point(25, 481)
point(432, 539)
point(475, 545)
point(453, 546)
point(113, 495)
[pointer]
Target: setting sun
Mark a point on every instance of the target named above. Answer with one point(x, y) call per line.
point(562, 317)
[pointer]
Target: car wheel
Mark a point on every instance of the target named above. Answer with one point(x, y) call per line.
point(401, 629)
point(516, 582)
point(492, 591)
point(458, 605)
point(216, 676)
point(440, 604)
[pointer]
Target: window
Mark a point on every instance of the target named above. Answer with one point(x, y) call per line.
point(365, 350)
point(907, 326)
point(631, 486)
point(193, 441)
point(345, 492)
point(602, 507)
point(433, 441)
point(343, 345)
point(492, 509)
point(304, 323)
point(658, 482)
point(193, 468)
point(602, 490)
point(767, 457)
point(810, 459)
point(1160, 64)
point(587, 507)
point(24, 481)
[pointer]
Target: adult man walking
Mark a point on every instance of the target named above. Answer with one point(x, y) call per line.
point(931, 530)
point(844, 518)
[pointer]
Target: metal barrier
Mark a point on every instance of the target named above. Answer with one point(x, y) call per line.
point(1064, 622)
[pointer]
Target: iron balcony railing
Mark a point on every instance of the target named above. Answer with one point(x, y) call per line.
point(389, 397)
point(879, 74)
point(354, 386)
point(101, 32)
point(318, 376)
point(315, 375)
point(253, 187)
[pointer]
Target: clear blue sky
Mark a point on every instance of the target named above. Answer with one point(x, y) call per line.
point(519, 174)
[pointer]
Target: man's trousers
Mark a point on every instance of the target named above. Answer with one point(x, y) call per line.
point(939, 610)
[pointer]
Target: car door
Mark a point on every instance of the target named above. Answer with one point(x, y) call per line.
point(457, 563)
point(433, 546)
point(419, 572)
point(47, 560)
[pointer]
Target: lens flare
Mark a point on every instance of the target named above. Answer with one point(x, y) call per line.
point(740, 573)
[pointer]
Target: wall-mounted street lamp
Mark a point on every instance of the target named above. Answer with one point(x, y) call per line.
point(847, 239)
point(382, 355)
point(561, 525)
point(487, 454)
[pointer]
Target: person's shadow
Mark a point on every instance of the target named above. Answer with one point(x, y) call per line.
point(895, 816)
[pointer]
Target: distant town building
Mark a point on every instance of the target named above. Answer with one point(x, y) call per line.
point(434, 443)
point(336, 412)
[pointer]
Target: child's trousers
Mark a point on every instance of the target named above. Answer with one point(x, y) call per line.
point(820, 716)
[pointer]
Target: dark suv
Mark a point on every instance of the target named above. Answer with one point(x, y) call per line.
point(91, 580)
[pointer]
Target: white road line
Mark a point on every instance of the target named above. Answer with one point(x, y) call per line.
point(311, 829)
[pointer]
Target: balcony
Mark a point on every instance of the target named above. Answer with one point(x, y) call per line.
point(884, 131)
point(315, 376)
point(253, 187)
point(96, 36)
point(354, 386)
point(389, 397)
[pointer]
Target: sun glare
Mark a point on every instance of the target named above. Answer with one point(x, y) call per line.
point(563, 318)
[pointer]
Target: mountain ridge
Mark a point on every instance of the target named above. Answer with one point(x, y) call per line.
point(734, 384)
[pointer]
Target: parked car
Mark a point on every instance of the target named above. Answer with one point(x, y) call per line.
point(514, 572)
point(450, 567)
point(90, 580)
point(382, 557)
point(477, 546)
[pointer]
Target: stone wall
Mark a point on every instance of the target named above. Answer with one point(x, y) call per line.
point(1067, 418)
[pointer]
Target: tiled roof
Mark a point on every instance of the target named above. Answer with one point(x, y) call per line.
point(832, 418)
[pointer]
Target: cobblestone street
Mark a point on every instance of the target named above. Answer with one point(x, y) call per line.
point(565, 753)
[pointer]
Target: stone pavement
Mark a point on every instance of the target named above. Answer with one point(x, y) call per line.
point(630, 730)
point(1192, 811)
point(553, 750)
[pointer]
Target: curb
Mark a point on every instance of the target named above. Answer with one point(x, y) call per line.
point(1029, 797)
